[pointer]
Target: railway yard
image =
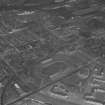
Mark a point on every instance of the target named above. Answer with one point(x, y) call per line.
point(52, 52)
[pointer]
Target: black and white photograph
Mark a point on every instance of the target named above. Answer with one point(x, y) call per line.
point(52, 52)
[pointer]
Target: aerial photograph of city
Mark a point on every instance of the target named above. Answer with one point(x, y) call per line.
point(52, 52)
